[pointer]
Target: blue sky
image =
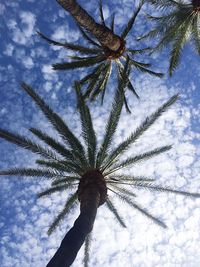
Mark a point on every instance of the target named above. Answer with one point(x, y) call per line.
point(24, 220)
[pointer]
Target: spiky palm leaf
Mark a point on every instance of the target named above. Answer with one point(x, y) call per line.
point(68, 174)
point(94, 84)
point(179, 24)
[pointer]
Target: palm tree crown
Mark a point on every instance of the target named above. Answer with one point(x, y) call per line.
point(89, 171)
point(100, 54)
point(179, 24)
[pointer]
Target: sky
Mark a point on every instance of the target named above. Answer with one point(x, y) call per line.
point(24, 219)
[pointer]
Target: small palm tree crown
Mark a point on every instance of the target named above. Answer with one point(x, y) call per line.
point(179, 24)
point(71, 165)
point(102, 56)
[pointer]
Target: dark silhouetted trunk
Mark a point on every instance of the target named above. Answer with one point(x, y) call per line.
point(103, 34)
point(92, 193)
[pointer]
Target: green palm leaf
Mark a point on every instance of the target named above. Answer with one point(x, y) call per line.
point(87, 127)
point(24, 142)
point(196, 32)
point(101, 13)
point(90, 61)
point(31, 172)
point(153, 187)
point(58, 188)
point(53, 144)
point(58, 124)
point(139, 131)
point(65, 180)
point(132, 160)
point(113, 117)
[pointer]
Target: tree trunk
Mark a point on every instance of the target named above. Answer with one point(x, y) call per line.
point(103, 34)
point(92, 193)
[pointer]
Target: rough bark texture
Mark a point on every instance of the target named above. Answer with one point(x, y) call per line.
point(104, 35)
point(92, 193)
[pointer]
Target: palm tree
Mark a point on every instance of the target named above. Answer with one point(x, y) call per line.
point(179, 24)
point(91, 173)
point(106, 47)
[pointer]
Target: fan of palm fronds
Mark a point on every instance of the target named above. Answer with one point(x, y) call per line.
point(95, 82)
point(64, 163)
point(179, 24)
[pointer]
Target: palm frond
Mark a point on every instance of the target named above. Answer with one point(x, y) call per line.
point(88, 77)
point(178, 44)
point(123, 146)
point(64, 166)
point(88, 242)
point(101, 85)
point(66, 179)
point(88, 38)
point(94, 80)
point(31, 172)
point(68, 206)
point(120, 68)
point(113, 209)
point(128, 178)
point(114, 116)
point(58, 124)
point(142, 67)
point(78, 48)
point(167, 189)
point(26, 143)
point(138, 158)
point(90, 61)
point(105, 83)
point(119, 189)
point(139, 51)
point(87, 126)
point(196, 32)
point(131, 21)
point(133, 204)
point(53, 143)
point(54, 189)
point(112, 24)
point(101, 13)
point(164, 4)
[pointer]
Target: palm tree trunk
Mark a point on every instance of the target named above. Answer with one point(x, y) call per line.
point(92, 192)
point(103, 34)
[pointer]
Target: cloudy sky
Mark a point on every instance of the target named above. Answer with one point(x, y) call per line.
point(24, 219)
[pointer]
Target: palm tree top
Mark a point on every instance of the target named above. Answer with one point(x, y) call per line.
point(177, 26)
point(100, 55)
point(72, 165)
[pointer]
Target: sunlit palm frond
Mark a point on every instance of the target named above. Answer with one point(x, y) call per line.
point(196, 32)
point(71, 201)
